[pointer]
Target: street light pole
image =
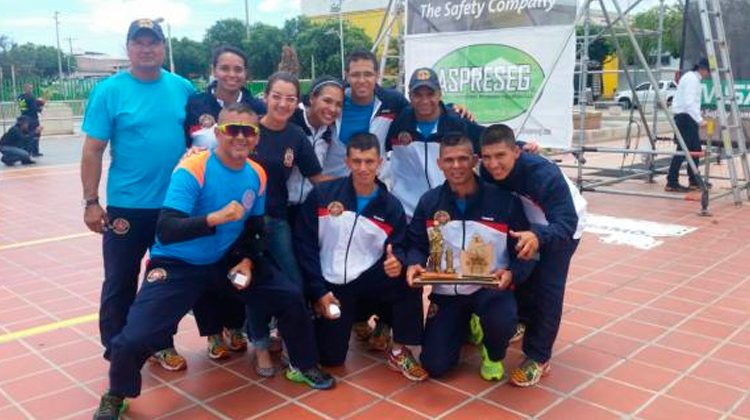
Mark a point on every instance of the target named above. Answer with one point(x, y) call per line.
point(341, 40)
point(169, 42)
point(59, 51)
point(339, 6)
point(247, 21)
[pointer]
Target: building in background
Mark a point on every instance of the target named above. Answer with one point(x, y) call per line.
point(97, 65)
point(364, 14)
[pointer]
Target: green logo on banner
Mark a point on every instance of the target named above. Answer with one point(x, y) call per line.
point(495, 82)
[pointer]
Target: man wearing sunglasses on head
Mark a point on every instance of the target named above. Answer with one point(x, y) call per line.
point(211, 228)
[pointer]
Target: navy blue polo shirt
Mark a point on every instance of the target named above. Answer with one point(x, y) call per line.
point(278, 152)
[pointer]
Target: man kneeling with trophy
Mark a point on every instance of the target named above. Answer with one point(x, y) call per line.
point(459, 243)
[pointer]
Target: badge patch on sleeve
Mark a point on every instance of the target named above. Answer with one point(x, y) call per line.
point(156, 275)
point(120, 226)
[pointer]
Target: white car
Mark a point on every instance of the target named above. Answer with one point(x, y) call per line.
point(645, 92)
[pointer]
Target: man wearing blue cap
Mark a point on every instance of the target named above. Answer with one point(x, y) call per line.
point(141, 112)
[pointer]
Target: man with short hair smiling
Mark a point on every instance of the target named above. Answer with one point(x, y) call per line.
point(414, 139)
point(212, 220)
point(557, 214)
point(141, 112)
point(465, 209)
point(368, 108)
point(350, 245)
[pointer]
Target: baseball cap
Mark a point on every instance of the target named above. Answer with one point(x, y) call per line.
point(145, 24)
point(703, 64)
point(424, 76)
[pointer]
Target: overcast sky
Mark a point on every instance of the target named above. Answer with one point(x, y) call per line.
point(100, 25)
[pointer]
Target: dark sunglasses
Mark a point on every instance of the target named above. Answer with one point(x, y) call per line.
point(234, 129)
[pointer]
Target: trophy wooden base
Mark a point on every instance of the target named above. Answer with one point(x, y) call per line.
point(432, 278)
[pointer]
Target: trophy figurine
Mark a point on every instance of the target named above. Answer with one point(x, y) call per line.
point(449, 261)
point(434, 263)
point(475, 261)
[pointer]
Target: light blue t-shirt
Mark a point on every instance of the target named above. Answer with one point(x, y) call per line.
point(364, 200)
point(354, 119)
point(427, 127)
point(202, 184)
point(143, 122)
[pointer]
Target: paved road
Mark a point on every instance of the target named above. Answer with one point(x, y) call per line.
point(57, 150)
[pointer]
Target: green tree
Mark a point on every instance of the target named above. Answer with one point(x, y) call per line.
point(293, 27)
point(191, 58)
point(671, 36)
point(263, 49)
point(321, 41)
point(225, 31)
point(600, 47)
point(31, 60)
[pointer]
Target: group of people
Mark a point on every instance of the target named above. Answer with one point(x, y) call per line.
point(311, 215)
point(21, 142)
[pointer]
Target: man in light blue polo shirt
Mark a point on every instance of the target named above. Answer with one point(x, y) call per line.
point(140, 114)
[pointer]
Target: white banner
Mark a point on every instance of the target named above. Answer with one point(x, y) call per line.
point(498, 73)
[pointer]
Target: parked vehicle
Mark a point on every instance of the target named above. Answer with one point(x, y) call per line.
point(646, 93)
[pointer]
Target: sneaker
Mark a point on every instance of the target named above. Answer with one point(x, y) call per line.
point(529, 373)
point(313, 377)
point(169, 359)
point(217, 350)
point(676, 188)
point(37, 154)
point(490, 370)
point(476, 334)
point(236, 339)
point(380, 340)
point(362, 330)
point(520, 330)
point(405, 363)
point(110, 407)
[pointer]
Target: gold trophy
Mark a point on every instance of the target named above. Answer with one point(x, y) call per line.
point(475, 261)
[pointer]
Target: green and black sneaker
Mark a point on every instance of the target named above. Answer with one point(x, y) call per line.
point(476, 334)
point(110, 407)
point(313, 377)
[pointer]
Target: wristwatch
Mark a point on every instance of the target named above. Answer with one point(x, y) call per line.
point(86, 202)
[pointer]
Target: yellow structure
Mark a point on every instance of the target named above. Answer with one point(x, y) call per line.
point(610, 76)
point(368, 20)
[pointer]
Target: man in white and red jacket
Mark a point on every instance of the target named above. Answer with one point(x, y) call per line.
point(350, 245)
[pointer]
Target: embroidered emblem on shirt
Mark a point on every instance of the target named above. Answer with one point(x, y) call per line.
point(403, 139)
point(289, 157)
point(441, 218)
point(248, 198)
point(206, 121)
point(156, 275)
point(335, 208)
point(120, 226)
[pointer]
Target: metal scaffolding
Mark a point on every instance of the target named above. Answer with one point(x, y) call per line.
point(617, 22)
